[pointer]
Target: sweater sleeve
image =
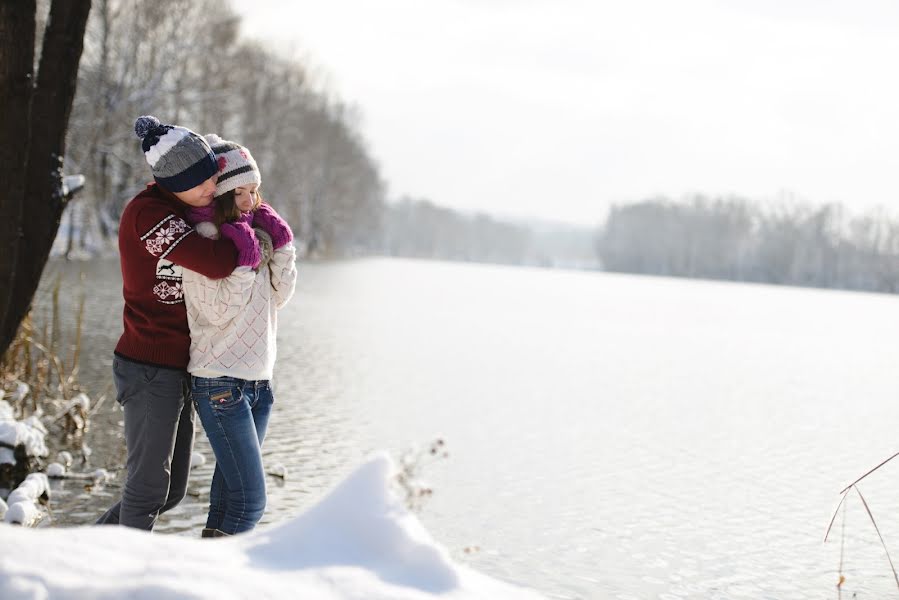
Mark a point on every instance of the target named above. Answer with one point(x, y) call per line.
point(220, 300)
point(284, 274)
point(163, 234)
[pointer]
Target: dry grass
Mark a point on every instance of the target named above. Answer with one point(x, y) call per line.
point(844, 494)
point(415, 491)
point(46, 361)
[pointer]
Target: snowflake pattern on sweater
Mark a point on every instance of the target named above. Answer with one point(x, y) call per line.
point(160, 240)
point(165, 290)
point(165, 240)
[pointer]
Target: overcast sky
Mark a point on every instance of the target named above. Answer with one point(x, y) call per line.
point(557, 108)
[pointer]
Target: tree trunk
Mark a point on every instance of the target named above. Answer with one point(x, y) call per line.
point(51, 104)
point(17, 24)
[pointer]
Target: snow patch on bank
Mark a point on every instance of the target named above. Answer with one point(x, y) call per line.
point(30, 432)
point(359, 542)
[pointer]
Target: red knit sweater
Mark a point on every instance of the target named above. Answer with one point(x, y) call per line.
point(155, 241)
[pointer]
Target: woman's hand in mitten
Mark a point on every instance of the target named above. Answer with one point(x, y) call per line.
point(248, 253)
point(266, 218)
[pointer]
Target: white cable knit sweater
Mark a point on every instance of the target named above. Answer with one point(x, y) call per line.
point(233, 321)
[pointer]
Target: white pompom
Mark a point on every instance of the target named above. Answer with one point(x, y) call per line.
point(207, 230)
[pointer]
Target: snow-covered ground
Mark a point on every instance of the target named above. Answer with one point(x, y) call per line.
point(29, 432)
point(359, 542)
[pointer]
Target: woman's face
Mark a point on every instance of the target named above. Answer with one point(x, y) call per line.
point(245, 197)
point(201, 195)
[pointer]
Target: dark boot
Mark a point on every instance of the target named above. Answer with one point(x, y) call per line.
point(213, 533)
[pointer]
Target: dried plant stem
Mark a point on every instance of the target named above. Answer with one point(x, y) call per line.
point(36, 359)
point(835, 511)
point(55, 327)
point(842, 547)
point(100, 400)
point(842, 503)
point(877, 529)
point(846, 489)
point(76, 354)
point(52, 358)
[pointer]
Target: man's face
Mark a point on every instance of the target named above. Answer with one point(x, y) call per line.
point(201, 195)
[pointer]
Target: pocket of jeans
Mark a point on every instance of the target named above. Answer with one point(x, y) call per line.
point(130, 379)
point(149, 374)
point(121, 379)
point(224, 398)
point(266, 395)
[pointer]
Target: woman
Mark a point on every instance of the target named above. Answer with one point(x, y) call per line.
point(233, 323)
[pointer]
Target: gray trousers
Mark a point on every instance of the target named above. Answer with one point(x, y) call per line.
point(159, 436)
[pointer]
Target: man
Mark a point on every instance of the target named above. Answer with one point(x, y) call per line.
point(152, 385)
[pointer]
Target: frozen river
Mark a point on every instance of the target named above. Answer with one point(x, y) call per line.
point(610, 436)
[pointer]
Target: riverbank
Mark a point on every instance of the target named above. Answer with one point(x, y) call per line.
point(359, 542)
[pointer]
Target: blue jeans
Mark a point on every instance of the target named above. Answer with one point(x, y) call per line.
point(234, 413)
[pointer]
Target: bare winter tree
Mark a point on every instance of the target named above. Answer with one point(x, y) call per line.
point(35, 114)
point(137, 60)
point(316, 168)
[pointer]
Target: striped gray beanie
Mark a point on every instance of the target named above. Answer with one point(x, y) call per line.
point(179, 158)
point(236, 165)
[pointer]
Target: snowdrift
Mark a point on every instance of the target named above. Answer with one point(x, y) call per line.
point(359, 542)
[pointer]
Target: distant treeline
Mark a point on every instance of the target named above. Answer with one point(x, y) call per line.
point(420, 229)
point(733, 238)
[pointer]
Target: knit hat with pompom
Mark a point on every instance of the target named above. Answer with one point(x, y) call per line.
point(179, 158)
point(237, 167)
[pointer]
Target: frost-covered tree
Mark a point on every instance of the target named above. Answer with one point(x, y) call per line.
point(316, 168)
point(34, 117)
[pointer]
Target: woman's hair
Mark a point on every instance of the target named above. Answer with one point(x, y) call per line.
point(226, 210)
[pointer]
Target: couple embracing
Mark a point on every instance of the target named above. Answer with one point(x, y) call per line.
point(206, 265)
